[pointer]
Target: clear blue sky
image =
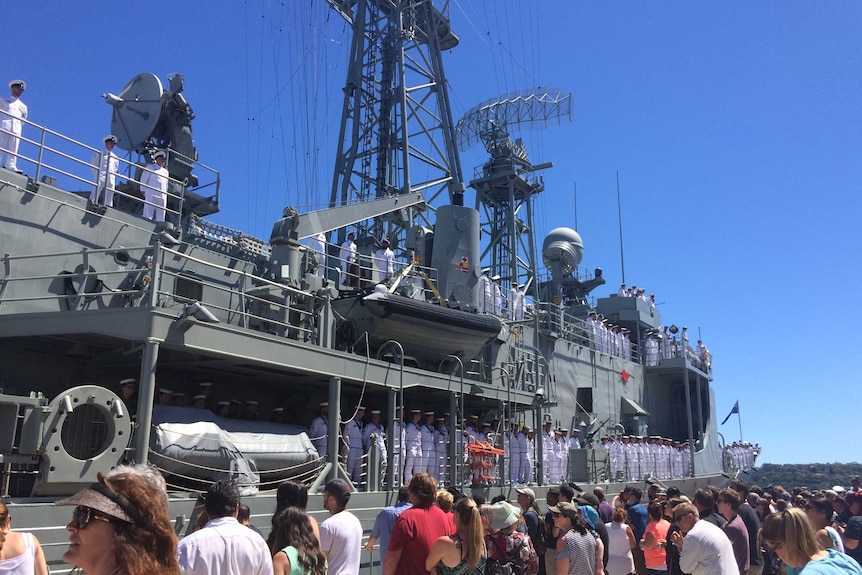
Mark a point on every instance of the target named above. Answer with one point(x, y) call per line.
point(736, 128)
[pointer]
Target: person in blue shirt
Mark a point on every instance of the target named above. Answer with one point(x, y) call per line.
point(384, 522)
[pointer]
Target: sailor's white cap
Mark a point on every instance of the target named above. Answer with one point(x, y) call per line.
point(324, 404)
point(22, 82)
point(277, 409)
point(127, 381)
point(205, 384)
point(496, 277)
point(110, 137)
point(166, 390)
point(161, 153)
point(375, 412)
point(250, 402)
point(360, 408)
point(200, 396)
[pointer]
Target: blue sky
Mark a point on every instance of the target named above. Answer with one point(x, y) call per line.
point(736, 129)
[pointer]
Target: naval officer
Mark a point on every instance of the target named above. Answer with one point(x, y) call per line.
point(353, 438)
point(12, 112)
point(105, 165)
point(319, 430)
point(154, 185)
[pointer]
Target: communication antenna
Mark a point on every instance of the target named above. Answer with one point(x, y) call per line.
point(508, 184)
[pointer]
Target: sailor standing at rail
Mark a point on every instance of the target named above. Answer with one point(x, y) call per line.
point(413, 462)
point(397, 442)
point(105, 165)
point(12, 112)
point(517, 454)
point(319, 430)
point(524, 468)
point(497, 296)
point(441, 440)
point(529, 455)
point(485, 291)
point(317, 245)
point(384, 262)
point(154, 185)
point(429, 450)
point(374, 433)
point(353, 438)
point(347, 260)
point(547, 453)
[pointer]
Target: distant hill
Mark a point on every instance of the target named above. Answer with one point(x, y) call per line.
point(810, 475)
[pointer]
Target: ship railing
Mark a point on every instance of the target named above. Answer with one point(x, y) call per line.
point(574, 329)
point(245, 296)
point(60, 160)
point(93, 284)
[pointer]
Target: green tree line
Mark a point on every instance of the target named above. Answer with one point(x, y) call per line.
point(810, 475)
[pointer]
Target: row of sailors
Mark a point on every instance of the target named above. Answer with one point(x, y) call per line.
point(631, 457)
point(383, 259)
point(662, 344)
point(425, 441)
point(637, 292)
point(741, 454)
point(493, 302)
point(608, 338)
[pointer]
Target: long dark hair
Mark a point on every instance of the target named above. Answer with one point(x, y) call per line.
point(293, 528)
point(4, 517)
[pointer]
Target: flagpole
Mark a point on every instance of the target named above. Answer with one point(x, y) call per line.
point(739, 419)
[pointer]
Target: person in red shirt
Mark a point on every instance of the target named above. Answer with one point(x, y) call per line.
point(416, 529)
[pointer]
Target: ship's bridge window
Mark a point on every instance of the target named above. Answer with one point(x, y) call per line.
point(188, 286)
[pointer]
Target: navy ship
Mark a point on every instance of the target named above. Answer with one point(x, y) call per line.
point(233, 341)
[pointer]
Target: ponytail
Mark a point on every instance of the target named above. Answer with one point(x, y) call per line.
point(474, 532)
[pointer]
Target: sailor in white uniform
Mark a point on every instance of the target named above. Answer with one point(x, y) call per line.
point(384, 262)
point(317, 244)
point(413, 462)
point(374, 433)
point(105, 165)
point(429, 449)
point(547, 453)
point(497, 296)
point(525, 470)
point(530, 452)
point(318, 430)
point(353, 439)
point(154, 185)
point(516, 302)
point(575, 439)
point(347, 259)
point(397, 443)
point(622, 291)
point(441, 441)
point(485, 291)
point(12, 112)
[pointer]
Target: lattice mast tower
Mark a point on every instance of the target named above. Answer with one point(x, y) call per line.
point(507, 185)
point(397, 134)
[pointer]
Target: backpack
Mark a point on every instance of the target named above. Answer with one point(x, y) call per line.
point(499, 567)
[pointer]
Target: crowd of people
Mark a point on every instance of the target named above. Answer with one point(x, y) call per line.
point(120, 525)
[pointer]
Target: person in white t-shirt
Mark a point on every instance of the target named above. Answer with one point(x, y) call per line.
point(341, 533)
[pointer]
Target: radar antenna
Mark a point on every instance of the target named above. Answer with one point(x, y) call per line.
point(146, 117)
point(508, 184)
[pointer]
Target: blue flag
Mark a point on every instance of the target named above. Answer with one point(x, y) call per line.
point(732, 411)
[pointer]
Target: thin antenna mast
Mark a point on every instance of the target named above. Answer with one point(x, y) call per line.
point(620, 217)
point(576, 205)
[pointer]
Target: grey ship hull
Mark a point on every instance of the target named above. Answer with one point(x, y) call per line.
point(105, 323)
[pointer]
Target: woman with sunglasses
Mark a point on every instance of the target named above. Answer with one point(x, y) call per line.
point(120, 525)
point(19, 552)
point(579, 552)
point(790, 536)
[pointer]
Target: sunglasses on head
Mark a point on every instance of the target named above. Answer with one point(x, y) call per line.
point(82, 516)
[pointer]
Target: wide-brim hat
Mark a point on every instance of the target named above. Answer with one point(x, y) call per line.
point(504, 514)
point(101, 498)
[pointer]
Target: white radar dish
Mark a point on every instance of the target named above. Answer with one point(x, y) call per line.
point(136, 110)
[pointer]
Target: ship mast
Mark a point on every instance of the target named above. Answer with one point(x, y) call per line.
point(396, 134)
